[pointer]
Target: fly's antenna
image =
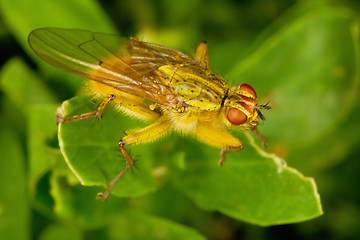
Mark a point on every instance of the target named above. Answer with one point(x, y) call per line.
point(266, 106)
point(258, 107)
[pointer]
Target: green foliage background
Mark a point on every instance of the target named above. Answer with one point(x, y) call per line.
point(302, 56)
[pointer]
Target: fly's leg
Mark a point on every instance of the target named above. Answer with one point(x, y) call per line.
point(129, 164)
point(259, 136)
point(149, 133)
point(97, 113)
point(218, 138)
point(225, 150)
point(201, 56)
point(127, 103)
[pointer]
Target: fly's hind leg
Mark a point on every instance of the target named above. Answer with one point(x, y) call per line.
point(149, 133)
point(97, 113)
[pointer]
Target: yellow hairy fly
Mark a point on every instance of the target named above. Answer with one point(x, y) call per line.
point(152, 82)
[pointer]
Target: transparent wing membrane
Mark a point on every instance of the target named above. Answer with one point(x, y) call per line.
point(125, 64)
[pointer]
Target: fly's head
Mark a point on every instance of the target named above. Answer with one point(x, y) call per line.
point(241, 107)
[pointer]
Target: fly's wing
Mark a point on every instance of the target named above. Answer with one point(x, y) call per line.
point(125, 64)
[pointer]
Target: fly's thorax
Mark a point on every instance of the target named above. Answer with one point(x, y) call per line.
point(194, 86)
point(240, 107)
point(187, 122)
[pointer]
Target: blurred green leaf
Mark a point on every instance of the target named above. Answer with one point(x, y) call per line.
point(91, 149)
point(134, 225)
point(14, 205)
point(60, 232)
point(309, 69)
point(23, 16)
point(37, 104)
point(331, 149)
point(42, 131)
point(22, 86)
point(74, 203)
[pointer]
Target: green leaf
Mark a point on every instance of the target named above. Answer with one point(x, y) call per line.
point(252, 186)
point(91, 149)
point(14, 207)
point(282, 195)
point(134, 225)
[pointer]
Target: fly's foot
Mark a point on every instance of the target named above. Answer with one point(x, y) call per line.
point(260, 137)
point(105, 194)
point(129, 163)
point(225, 150)
point(59, 119)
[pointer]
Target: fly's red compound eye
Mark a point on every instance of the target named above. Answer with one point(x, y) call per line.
point(236, 117)
point(247, 88)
